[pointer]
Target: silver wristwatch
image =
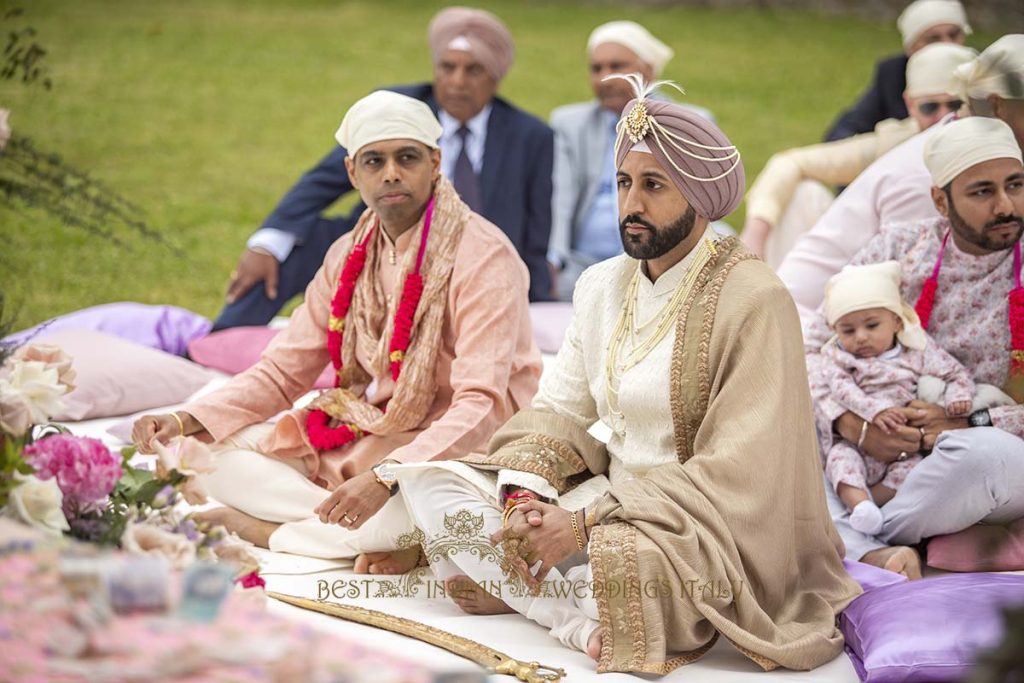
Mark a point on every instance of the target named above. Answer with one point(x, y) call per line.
point(385, 477)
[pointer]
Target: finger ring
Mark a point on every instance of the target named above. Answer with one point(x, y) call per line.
point(902, 456)
point(922, 431)
point(347, 519)
point(355, 519)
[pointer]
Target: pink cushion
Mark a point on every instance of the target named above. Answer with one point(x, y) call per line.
point(550, 321)
point(118, 377)
point(980, 548)
point(237, 349)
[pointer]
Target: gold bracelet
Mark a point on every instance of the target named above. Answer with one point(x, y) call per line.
point(508, 513)
point(181, 425)
point(576, 530)
point(863, 433)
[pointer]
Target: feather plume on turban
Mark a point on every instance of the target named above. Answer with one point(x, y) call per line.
point(697, 156)
point(475, 31)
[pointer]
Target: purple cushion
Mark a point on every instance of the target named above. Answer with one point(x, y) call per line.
point(927, 630)
point(550, 321)
point(870, 577)
point(165, 328)
point(236, 349)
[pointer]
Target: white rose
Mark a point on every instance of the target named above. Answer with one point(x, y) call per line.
point(38, 386)
point(38, 504)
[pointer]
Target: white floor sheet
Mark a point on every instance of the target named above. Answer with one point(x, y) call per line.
point(511, 634)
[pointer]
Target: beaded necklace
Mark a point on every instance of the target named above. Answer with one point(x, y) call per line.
point(627, 326)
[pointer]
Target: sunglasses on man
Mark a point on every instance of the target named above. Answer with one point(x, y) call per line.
point(929, 108)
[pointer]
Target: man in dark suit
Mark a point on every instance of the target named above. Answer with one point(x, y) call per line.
point(923, 22)
point(498, 157)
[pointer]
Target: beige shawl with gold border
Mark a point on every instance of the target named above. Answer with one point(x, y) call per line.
point(735, 538)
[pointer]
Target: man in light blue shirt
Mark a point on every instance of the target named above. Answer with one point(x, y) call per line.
point(584, 215)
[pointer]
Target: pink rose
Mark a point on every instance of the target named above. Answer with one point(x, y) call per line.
point(190, 457)
point(186, 454)
point(84, 468)
point(234, 550)
point(252, 580)
point(146, 539)
point(53, 357)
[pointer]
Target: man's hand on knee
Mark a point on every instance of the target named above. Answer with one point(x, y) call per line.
point(354, 502)
point(254, 265)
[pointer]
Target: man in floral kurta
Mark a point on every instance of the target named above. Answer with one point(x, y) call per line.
point(975, 470)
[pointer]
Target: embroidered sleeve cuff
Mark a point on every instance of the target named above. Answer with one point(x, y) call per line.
point(1009, 419)
point(525, 480)
point(278, 242)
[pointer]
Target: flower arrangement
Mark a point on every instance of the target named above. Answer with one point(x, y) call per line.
point(75, 486)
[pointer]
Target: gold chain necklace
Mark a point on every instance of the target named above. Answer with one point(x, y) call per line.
point(626, 324)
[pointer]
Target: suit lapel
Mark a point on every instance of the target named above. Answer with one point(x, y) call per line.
point(495, 150)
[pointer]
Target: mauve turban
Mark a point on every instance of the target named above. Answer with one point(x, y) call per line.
point(695, 153)
point(475, 31)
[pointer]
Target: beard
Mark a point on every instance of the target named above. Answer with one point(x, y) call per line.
point(983, 238)
point(658, 241)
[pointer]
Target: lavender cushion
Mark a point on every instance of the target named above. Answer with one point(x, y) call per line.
point(166, 328)
point(870, 577)
point(236, 349)
point(980, 548)
point(927, 630)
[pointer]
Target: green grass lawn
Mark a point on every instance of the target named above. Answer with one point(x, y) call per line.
point(204, 112)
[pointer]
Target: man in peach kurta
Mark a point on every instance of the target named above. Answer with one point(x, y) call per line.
point(471, 349)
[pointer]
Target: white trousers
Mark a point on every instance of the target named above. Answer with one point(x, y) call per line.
point(972, 475)
point(439, 500)
point(810, 201)
point(278, 490)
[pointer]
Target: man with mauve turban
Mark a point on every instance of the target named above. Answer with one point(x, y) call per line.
point(497, 156)
point(703, 515)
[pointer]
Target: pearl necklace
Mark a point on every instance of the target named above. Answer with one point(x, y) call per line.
point(626, 325)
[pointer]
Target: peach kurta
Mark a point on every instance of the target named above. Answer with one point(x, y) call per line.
point(488, 365)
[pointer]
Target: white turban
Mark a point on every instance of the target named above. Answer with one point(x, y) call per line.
point(635, 37)
point(921, 15)
point(998, 70)
point(930, 69)
point(967, 142)
point(386, 115)
point(858, 288)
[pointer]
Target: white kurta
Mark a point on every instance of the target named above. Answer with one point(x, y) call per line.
point(574, 386)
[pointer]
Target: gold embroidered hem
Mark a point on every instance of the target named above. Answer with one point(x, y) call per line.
point(731, 536)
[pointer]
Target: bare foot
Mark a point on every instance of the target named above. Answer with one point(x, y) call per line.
point(594, 645)
point(898, 558)
point(473, 599)
point(393, 562)
point(256, 531)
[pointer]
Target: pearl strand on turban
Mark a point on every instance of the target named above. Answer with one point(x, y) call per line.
point(697, 156)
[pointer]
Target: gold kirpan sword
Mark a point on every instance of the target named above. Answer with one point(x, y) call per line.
point(490, 659)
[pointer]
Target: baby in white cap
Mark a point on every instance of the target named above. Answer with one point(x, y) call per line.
point(878, 355)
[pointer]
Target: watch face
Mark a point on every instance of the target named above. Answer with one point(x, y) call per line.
point(385, 474)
